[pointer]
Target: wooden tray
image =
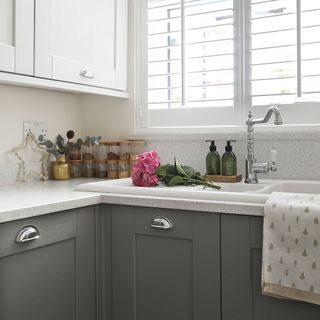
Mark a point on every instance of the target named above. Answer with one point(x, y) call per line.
point(229, 179)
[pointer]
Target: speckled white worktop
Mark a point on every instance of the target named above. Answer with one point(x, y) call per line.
point(26, 200)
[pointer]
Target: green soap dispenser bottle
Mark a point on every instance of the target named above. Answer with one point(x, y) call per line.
point(213, 160)
point(229, 161)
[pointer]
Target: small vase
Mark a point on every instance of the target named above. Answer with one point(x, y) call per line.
point(61, 169)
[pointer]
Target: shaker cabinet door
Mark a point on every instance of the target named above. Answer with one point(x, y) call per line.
point(241, 256)
point(17, 36)
point(76, 41)
point(169, 271)
point(51, 276)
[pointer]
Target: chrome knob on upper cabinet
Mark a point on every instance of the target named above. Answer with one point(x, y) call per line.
point(27, 234)
point(87, 73)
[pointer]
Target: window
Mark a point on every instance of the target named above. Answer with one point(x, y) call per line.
point(206, 62)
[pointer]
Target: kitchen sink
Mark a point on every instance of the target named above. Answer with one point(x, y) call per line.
point(230, 192)
point(238, 192)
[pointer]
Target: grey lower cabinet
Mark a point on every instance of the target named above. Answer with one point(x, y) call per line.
point(158, 273)
point(241, 251)
point(53, 277)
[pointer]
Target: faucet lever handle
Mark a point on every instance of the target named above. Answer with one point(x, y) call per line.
point(273, 154)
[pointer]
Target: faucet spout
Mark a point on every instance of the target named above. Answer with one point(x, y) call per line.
point(252, 167)
point(272, 110)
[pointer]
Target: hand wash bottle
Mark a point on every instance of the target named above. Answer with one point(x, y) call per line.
point(229, 161)
point(213, 160)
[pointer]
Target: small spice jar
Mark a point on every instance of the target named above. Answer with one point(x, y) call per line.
point(113, 150)
point(100, 162)
point(112, 169)
point(75, 168)
point(87, 168)
point(73, 153)
point(125, 148)
point(100, 152)
point(86, 152)
point(137, 147)
point(124, 169)
point(100, 169)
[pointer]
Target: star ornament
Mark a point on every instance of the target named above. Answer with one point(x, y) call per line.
point(33, 159)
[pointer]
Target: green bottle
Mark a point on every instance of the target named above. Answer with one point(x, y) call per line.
point(229, 161)
point(213, 160)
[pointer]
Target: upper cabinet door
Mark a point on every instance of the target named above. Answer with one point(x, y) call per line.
point(17, 36)
point(122, 45)
point(75, 41)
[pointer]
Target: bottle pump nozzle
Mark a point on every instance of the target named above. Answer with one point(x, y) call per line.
point(229, 146)
point(213, 147)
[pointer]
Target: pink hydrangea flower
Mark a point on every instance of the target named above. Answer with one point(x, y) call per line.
point(144, 170)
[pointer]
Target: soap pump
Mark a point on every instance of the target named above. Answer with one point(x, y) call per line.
point(213, 160)
point(229, 161)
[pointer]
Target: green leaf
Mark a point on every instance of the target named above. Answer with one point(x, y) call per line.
point(171, 170)
point(188, 170)
point(176, 180)
point(180, 169)
point(162, 170)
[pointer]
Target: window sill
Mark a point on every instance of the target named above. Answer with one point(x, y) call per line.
point(262, 132)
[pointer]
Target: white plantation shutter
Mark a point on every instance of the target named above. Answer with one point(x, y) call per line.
point(285, 51)
point(190, 62)
point(209, 61)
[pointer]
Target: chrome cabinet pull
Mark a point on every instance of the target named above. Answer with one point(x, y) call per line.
point(28, 234)
point(87, 73)
point(161, 223)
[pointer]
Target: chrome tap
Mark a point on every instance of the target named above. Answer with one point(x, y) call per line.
point(252, 166)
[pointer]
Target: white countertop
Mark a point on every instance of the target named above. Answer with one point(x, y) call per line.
point(26, 200)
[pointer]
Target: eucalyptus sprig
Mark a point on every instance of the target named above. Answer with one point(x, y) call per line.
point(177, 175)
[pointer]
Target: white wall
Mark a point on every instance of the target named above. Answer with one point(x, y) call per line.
point(112, 118)
point(61, 110)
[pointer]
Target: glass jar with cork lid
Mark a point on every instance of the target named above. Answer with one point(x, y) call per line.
point(75, 168)
point(125, 150)
point(123, 169)
point(112, 169)
point(87, 152)
point(87, 168)
point(100, 162)
point(113, 150)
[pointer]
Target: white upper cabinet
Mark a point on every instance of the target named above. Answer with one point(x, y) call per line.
point(75, 41)
point(17, 36)
point(71, 45)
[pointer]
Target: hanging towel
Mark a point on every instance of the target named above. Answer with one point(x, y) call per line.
point(291, 247)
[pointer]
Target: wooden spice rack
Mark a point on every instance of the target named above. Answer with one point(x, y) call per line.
point(228, 179)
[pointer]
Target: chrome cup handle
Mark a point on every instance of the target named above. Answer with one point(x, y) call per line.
point(27, 234)
point(161, 223)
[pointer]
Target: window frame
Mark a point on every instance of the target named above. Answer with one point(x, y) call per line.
point(242, 84)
